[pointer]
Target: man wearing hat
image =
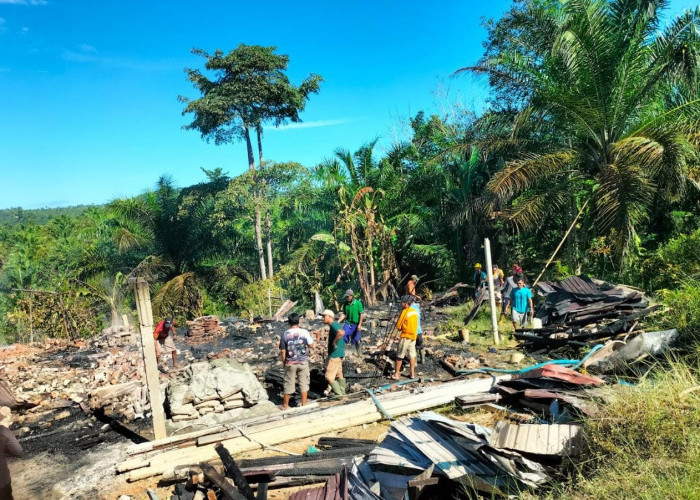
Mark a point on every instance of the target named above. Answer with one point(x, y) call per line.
point(353, 313)
point(294, 352)
point(480, 279)
point(336, 353)
point(163, 340)
point(9, 447)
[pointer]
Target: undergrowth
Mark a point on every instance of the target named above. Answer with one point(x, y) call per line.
point(644, 442)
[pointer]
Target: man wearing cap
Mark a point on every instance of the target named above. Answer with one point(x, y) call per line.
point(163, 340)
point(411, 285)
point(294, 352)
point(353, 313)
point(408, 324)
point(336, 353)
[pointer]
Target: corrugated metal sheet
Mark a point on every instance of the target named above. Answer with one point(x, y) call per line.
point(452, 460)
point(562, 373)
point(539, 439)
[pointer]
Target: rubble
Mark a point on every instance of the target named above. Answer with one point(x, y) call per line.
point(222, 389)
point(581, 311)
point(204, 329)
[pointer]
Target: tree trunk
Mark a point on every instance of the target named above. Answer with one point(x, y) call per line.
point(256, 206)
point(116, 321)
point(268, 224)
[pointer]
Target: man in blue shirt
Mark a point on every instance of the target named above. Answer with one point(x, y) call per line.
point(521, 303)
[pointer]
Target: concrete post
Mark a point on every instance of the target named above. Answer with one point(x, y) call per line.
point(492, 291)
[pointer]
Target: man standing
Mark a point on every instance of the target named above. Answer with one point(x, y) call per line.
point(336, 353)
point(480, 279)
point(408, 324)
point(506, 291)
point(498, 275)
point(411, 285)
point(9, 447)
point(294, 352)
point(521, 303)
point(163, 340)
point(353, 313)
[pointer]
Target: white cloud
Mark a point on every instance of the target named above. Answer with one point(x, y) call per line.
point(116, 62)
point(87, 48)
point(24, 30)
point(24, 2)
point(314, 124)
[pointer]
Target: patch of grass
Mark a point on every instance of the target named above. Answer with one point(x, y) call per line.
point(644, 443)
point(479, 328)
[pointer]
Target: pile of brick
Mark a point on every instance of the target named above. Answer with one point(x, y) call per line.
point(204, 329)
point(51, 379)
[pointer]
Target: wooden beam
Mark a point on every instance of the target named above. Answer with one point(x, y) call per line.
point(143, 304)
point(228, 492)
point(234, 472)
point(305, 425)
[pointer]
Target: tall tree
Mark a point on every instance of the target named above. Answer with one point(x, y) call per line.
point(618, 92)
point(250, 89)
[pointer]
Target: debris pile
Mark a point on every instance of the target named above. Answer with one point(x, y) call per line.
point(54, 379)
point(580, 311)
point(204, 329)
point(222, 388)
point(458, 362)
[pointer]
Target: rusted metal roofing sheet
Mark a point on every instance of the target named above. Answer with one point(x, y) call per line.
point(538, 439)
point(336, 488)
point(561, 373)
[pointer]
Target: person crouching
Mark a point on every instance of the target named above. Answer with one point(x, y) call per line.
point(408, 324)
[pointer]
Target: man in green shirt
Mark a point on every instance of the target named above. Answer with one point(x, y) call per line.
point(336, 353)
point(353, 313)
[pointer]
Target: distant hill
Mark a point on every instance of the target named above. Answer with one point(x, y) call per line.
point(14, 216)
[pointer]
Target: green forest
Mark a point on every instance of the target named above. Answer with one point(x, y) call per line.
point(592, 123)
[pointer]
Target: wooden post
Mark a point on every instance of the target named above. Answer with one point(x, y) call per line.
point(492, 292)
point(143, 305)
point(561, 243)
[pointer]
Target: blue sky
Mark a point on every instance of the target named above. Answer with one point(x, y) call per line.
point(88, 90)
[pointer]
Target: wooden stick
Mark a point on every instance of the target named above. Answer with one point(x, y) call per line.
point(561, 243)
point(228, 492)
point(234, 472)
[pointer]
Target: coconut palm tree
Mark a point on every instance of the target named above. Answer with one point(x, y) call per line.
point(620, 94)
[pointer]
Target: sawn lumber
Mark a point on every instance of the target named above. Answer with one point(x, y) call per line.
point(321, 421)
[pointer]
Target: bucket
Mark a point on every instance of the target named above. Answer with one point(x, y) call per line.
point(516, 358)
point(536, 323)
point(464, 335)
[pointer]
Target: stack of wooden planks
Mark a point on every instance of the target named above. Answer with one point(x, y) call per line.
point(164, 456)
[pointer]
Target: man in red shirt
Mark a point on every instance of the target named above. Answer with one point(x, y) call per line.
point(163, 340)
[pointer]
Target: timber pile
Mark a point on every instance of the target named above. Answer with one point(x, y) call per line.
point(580, 310)
point(164, 456)
point(204, 329)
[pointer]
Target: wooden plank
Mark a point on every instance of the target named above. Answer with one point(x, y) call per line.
point(234, 472)
point(320, 422)
point(143, 303)
point(228, 492)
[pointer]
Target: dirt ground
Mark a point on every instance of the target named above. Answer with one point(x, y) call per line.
point(56, 467)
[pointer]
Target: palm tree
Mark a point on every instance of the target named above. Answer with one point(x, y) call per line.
point(619, 94)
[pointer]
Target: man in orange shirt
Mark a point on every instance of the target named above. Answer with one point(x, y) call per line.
point(408, 324)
